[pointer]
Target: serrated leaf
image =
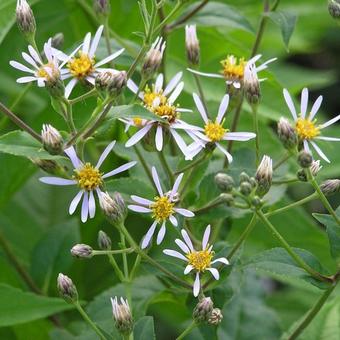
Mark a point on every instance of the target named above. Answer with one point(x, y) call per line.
point(286, 22)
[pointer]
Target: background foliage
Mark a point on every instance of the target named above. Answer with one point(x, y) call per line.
point(260, 299)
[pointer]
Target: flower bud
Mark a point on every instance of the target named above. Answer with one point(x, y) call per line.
point(102, 8)
point(25, 19)
point(51, 139)
point(117, 84)
point(192, 45)
point(153, 58)
point(252, 182)
point(54, 84)
point(334, 8)
point(305, 159)
point(331, 186)
point(246, 188)
point(257, 202)
point(286, 134)
point(226, 198)
point(224, 182)
point(67, 289)
point(215, 317)
point(122, 315)
point(244, 177)
point(301, 175)
point(203, 310)
point(48, 165)
point(114, 208)
point(315, 167)
point(251, 84)
point(264, 176)
point(103, 80)
point(104, 241)
point(82, 251)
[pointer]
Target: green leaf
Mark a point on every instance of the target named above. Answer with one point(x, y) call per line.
point(279, 264)
point(216, 14)
point(20, 143)
point(27, 306)
point(130, 186)
point(132, 111)
point(144, 329)
point(286, 22)
point(333, 232)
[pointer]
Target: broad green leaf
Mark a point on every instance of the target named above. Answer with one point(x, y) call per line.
point(144, 329)
point(278, 263)
point(20, 143)
point(218, 14)
point(18, 306)
point(130, 186)
point(333, 232)
point(286, 22)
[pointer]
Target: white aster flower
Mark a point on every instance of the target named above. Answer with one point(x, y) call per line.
point(84, 66)
point(198, 260)
point(161, 103)
point(39, 70)
point(88, 178)
point(233, 69)
point(305, 124)
point(213, 131)
point(162, 208)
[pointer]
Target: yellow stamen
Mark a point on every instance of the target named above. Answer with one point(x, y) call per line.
point(200, 260)
point(233, 68)
point(306, 129)
point(167, 111)
point(81, 66)
point(88, 177)
point(42, 73)
point(151, 95)
point(162, 208)
point(214, 131)
point(138, 121)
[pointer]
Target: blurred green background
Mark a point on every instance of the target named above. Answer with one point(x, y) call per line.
point(34, 219)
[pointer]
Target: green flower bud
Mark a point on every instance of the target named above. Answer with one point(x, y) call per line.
point(203, 310)
point(245, 188)
point(244, 177)
point(264, 176)
point(301, 175)
point(122, 315)
point(117, 84)
point(224, 182)
point(192, 45)
point(286, 134)
point(257, 202)
point(52, 140)
point(114, 208)
point(104, 241)
point(67, 289)
point(82, 251)
point(251, 85)
point(25, 19)
point(226, 198)
point(153, 58)
point(305, 159)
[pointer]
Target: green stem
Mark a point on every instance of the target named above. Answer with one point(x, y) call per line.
point(112, 252)
point(135, 266)
point(312, 313)
point(166, 167)
point(187, 330)
point(322, 196)
point(243, 236)
point(139, 57)
point(282, 160)
point(89, 321)
point(125, 263)
point(285, 181)
point(192, 164)
point(116, 268)
point(168, 17)
point(256, 130)
point(213, 204)
point(307, 199)
point(235, 121)
point(289, 250)
point(83, 97)
point(69, 116)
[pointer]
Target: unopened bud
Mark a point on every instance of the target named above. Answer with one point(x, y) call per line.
point(117, 84)
point(315, 167)
point(58, 40)
point(305, 159)
point(226, 198)
point(301, 175)
point(244, 177)
point(286, 134)
point(82, 251)
point(192, 45)
point(122, 315)
point(334, 8)
point(257, 202)
point(104, 241)
point(203, 310)
point(216, 317)
point(103, 80)
point(67, 289)
point(251, 84)
point(51, 139)
point(113, 207)
point(224, 182)
point(252, 182)
point(264, 176)
point(153, 58)
point(102, 8)
point(245, 188)
point(331, 186)
point(25, 19)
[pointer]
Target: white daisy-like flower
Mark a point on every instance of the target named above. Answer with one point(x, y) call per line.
point(198, 260)
point(39, 70)
point(83, 66)
point(305, 124)
point(213, 131)
point(233, 69)
point(88, 178)
point(162, 208)
point(161, 103)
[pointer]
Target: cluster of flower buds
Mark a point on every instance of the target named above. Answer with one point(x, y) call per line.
point(264, 176)
point(204, 312)
point(67, 289)
point(113, 207)
point(287, 134)
point(334, 8)
point(104, 241)
point(25, 20)
point(83, 251)
point(111, 83)
point(315, 167)
point(51, 140)
point(247, 184)
point(192, 45)
point(153, 58)
point(102, 8)
point(122, 315)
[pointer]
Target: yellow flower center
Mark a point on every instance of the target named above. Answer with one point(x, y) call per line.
point(233, 68)
point(168, 112)
point(162, 208)
point(214, 131)
point(151, 95)
point(88, 177)
point(81, 66)
point(138, 121)
point(200, 260)
point(42, 73)
point(306, 129)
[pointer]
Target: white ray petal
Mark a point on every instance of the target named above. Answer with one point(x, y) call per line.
point(320, 152)
point(187, 239)
point(197, 285)
point(173, 83)
point(161, 234)
point(175, 253)
point(71, 153)
point(200, 107)
point(95, 41)
point(222, 109)
point(120, 169)
point(35, 54)
point(28, 79)
point(210, 75)
point(330, 122)
point(315, 108)
point(157, 181)
point(92, 205)
point(75, 202)
point(57, 181)
point(227, 154)
point(221, 260)
point(174, 95)
point(173, 220)
point(179, 141)
point(184, 212)
point(188, 269)
point(70, 86)
point(239, 136)
point(148, 236)
point(132, 86)
point(182, 245)
point(290, 103)
point(138, 135)
point(159, 83)
point(306, 146)
point(20, 67)
point(85, 207)
point(29, 60)
point(159, 138)
point(214, 273)
point(176, 185)
point(331, 139)
point(110, 58)
point(304, 102)
point(141, 200)
point(138, 208)
point(105, 154)
point(86, 44)
point(206, 236)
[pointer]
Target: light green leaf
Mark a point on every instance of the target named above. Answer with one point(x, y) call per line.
point(144, 329)
point(286, 22)
point(27, 306)
point(20, 143)
point(129, 186)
